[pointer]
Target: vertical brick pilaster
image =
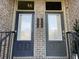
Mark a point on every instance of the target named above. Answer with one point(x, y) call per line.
point(39, 41)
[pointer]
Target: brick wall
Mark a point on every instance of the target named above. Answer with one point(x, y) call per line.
point(6, 18)
point(6, 13)
point(73, 11)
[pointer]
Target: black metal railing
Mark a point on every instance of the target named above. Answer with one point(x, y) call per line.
point(6, 39)
point(73, 44)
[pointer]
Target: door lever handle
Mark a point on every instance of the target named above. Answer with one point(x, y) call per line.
point(37, 22)
point(41, 22)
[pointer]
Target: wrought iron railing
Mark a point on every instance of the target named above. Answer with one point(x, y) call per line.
point(73, 44)
point(6, 39)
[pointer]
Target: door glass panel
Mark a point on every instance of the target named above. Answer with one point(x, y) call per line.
point(54, 27)
point(24, 27)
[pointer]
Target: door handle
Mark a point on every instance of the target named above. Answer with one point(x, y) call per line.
point(41, 22)
point(37, 22)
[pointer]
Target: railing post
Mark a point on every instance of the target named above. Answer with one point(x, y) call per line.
point(77, 48)
point(68, 46)
point(5, 42)
point(73, 40)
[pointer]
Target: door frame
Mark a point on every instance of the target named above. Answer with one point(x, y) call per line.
point(63, 33)
point(16, 29)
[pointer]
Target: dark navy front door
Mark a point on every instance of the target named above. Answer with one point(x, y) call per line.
point(55, 41)
point(23, 42)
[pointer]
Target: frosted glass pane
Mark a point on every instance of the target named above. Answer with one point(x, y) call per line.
point(54, 27)
point(24, 27)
